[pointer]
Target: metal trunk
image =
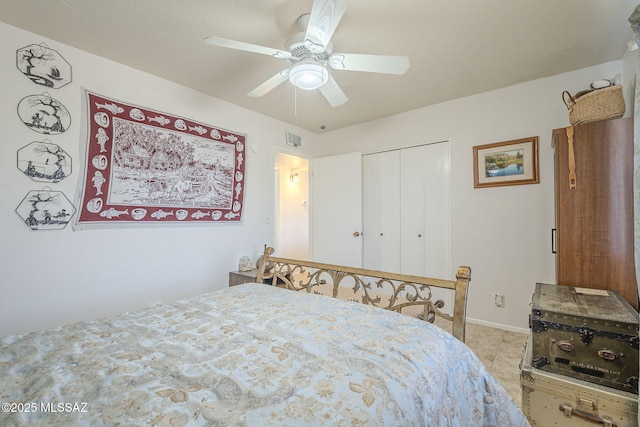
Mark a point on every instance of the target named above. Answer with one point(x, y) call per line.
point(589, 334)
point(550, 399)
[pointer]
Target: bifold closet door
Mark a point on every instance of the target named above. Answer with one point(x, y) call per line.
point(381, 210)
point(406, 212)
point(425, 216)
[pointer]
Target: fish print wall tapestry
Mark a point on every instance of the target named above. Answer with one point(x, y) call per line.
point(145, 166)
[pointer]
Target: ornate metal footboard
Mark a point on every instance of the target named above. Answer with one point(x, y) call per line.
point(391, 291)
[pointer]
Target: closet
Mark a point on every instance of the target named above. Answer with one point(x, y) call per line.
point(594, 207)
point(406, 212)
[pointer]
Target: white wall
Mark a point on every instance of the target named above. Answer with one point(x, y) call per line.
point(49, 278)
point(54, 277)
point(629, 67)
point(503, 233)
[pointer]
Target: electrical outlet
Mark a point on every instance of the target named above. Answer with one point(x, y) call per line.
point(498, 300)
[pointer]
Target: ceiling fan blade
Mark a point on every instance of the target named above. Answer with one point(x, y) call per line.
point(332, 93)
point(248, 47)
point(270, 84)
point(386, 64)
point(323, 21)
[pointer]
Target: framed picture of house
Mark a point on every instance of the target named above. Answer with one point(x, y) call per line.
point(506, 163)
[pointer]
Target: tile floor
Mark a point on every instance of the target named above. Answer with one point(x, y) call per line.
point(501, 351)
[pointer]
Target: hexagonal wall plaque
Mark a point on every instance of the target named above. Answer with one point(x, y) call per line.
point(44, 161)
point(43, 66)
point(46, 210)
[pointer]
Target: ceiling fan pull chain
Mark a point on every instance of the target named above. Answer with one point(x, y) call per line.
point(295, 106)
point(322, 126)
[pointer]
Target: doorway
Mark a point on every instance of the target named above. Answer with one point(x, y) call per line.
point(291, 206)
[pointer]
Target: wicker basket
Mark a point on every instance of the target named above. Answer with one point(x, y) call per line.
point(600, 104)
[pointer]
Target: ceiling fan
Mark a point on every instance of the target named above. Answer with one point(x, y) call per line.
point(310, 53)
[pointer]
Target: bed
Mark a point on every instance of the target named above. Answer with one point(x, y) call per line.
point(260, 355)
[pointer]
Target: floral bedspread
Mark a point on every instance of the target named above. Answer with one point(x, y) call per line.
point(251, 355)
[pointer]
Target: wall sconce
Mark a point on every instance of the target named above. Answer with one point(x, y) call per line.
point(294, 177)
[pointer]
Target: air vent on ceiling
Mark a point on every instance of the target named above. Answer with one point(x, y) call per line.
point(294, 140)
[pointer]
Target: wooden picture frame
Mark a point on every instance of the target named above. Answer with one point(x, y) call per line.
point(506, 163)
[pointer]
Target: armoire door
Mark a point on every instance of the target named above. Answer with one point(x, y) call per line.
point(594, 217)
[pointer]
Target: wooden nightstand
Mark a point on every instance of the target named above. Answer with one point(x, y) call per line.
point(240, 277)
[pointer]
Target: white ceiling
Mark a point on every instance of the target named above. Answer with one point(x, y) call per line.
point(456, 47)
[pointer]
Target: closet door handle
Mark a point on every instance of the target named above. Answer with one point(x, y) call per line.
point(553, 241)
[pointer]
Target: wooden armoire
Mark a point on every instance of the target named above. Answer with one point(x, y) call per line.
point(594, 238)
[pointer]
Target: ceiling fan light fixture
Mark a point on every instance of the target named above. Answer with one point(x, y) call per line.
point(308, 75)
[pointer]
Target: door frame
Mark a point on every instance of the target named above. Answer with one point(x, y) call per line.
point(278, 176)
